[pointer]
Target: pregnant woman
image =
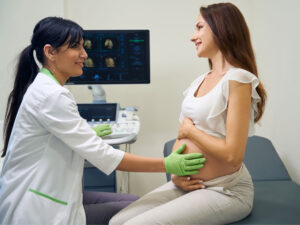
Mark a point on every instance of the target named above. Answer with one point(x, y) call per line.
point(218, 114)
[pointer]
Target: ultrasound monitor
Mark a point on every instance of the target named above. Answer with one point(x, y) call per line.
point(115, 57)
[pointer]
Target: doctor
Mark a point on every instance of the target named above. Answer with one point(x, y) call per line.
point(46, 140)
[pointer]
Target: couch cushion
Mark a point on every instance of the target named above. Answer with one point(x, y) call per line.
point(262, 160)
point(275, 202)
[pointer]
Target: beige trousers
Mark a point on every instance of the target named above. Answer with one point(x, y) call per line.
point(225, 200)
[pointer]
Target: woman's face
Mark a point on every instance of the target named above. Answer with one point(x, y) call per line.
point(203, 39)
point(69, 61)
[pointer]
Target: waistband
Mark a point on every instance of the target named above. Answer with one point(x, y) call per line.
point(230, 180)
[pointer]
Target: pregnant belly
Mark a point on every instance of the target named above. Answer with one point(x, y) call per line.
point(213, 167)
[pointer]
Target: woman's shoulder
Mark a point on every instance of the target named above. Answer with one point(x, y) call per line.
point(241, 75)
point(46, 89)
point(49, 85)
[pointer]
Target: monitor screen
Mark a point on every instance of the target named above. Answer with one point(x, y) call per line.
point(115, 57)
point(97, 112)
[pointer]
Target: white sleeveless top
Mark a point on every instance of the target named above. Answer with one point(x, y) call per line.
point(209, 112)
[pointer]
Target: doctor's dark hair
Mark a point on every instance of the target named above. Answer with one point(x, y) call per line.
point(50, 30)
point(232, 36)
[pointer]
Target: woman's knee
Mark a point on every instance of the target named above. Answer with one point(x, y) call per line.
point(118, 219)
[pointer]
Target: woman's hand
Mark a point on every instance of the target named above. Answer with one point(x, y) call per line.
point(186, 125)
point(186, 183)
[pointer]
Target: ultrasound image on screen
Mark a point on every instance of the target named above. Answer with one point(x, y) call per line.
point(110, 62)
point(115, 57)
point(90, 43)
point(110, 43)
point(92, 61)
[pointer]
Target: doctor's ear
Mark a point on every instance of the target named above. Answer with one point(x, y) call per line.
point(49, 52)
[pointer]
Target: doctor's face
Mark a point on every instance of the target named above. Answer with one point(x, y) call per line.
point(203, 39)
point(69, 60)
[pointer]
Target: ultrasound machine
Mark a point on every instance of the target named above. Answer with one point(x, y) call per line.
point(114, 57)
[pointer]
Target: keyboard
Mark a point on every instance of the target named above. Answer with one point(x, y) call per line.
point(123, 131)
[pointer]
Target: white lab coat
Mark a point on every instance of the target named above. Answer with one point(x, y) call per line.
point(41, 180)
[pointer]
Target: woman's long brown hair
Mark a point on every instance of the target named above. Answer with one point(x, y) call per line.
point(232, 36)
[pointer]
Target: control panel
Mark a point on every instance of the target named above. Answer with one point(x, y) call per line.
point(123, 130)
point(125, 123)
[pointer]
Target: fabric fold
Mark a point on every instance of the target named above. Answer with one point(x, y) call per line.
point(219, 107)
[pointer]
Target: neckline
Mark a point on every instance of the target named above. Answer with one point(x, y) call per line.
point(211, 90)
point(49, 74)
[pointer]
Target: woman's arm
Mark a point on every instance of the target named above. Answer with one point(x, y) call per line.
point(175, 163)
point(134, 163)
point(232, 148)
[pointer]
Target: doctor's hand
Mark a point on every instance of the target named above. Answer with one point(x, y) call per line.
point(184, 128)
point(102, 130)
point(187, 183)
point(183, 165)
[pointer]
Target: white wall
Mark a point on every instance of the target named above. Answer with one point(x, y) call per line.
point(174, 64)
point(276, 33)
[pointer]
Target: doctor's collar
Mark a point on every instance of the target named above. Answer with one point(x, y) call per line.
point(49, 74)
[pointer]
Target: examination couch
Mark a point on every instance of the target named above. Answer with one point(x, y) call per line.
point(276, 196)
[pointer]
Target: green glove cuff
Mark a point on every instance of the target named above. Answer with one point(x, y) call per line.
point(167, 165)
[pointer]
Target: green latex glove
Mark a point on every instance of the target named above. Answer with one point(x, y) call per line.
point(102, 130)
point(182, 165)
